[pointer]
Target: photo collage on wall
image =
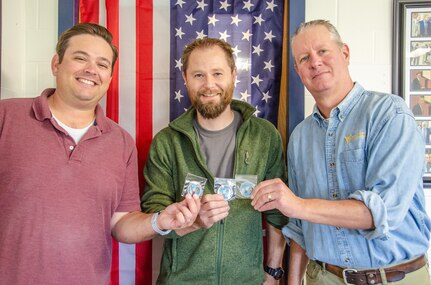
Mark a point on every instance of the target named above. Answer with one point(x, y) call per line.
point(418, 71)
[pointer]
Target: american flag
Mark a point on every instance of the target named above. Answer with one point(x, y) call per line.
point(254, 28)
point(147, 80)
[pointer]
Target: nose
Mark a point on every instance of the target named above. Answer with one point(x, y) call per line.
point(90, 67)
point(209, 81)
point(315, 60)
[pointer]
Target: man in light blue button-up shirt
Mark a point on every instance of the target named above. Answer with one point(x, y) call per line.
point(355, 194)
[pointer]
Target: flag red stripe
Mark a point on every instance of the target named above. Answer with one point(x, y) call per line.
point(112, 22)
point(144, 119)
point(112, 110)
point(88, 11)
point(115, 266)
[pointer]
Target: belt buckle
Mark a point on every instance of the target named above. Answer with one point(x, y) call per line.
point(345, 271)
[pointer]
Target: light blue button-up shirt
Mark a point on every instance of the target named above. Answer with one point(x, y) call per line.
point(369, 150)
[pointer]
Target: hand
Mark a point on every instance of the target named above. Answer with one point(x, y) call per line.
point(274, 194)
point(180, 215)
point(213, 209)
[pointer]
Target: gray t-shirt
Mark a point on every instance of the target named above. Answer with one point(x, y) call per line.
point(218, 147)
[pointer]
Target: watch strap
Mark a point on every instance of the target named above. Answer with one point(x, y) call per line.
point(155, 226)
point(276, 273)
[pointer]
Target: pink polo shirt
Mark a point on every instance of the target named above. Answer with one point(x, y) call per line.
point(57, 197)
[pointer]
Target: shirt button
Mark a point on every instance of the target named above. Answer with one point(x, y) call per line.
point(334, 195)
point(338, 228)
point(347, 260)
point(71, 147)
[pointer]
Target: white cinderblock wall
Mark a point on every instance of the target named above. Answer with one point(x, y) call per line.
point(29, 35)
point(366, 27)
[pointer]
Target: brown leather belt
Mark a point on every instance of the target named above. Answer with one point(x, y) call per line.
point(372, 276)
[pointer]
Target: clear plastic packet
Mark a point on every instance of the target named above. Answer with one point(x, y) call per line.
point(245, 185)
point(194, 185)
point(226, 187)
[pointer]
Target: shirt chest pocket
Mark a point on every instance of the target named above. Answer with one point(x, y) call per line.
point(353, 168)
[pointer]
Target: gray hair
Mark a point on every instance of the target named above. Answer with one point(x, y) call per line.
point(325, 23)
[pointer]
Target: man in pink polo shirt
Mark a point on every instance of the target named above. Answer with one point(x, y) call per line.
point(68, 174)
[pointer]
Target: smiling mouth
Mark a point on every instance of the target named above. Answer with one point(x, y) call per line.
point(319, 74)
point(86, 81)
point(210, 95)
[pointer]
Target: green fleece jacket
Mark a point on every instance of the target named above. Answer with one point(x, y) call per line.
point(231, 251)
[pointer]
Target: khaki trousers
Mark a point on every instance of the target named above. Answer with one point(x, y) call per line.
point(317, 275)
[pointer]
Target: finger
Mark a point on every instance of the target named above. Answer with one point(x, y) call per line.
point(264, 198)
point(192, 203)
point(184, 213)
point(214, 205)
point(208, 221)
point(217, 211)
point(180, 217)
point(274, 185)
point(214, 212)
point(264, 184)
point(262, 207)
point(212, 197)
point(166, 217)
point(220, 216)
point(260, 198)
point(263, 188)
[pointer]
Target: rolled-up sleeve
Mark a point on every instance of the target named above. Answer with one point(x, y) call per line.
point(293, 231)
point(394, 173)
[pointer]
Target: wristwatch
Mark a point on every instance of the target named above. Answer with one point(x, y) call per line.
point(276, 273)
point(156, 227)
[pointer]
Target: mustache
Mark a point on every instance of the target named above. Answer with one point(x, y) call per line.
point(210, 91)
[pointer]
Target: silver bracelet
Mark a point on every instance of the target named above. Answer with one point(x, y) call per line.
point(156, 227)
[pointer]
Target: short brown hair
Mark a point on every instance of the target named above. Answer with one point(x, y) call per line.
point(206, 43)
point(85, 29)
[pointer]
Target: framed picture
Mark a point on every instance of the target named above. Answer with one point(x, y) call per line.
point(411, 66)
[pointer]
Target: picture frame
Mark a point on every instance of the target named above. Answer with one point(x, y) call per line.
point(411, 66)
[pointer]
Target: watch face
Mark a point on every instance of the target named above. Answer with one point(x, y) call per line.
point(277, 273)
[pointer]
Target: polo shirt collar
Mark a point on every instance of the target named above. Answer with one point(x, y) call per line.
point(42, 112)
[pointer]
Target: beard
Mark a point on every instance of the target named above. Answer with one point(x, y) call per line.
point(212, 110)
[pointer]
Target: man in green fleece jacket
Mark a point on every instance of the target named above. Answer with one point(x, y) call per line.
point(217, 137)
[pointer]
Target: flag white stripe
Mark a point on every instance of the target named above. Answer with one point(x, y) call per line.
point(161, 57)
point(102, 13)
point(127, 113)
point(127, 68)
point(127, 263)
point(102, 22)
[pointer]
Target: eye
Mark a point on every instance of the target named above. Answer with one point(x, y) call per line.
point(79, 58)
point(198, 75)
point(322, 51)
point(303, 59)
point(103, 65)
point(218, 74)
